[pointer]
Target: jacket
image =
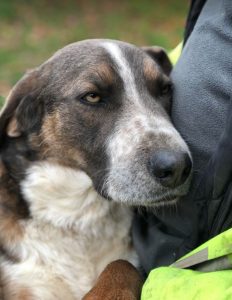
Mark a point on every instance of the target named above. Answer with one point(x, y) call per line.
point(202, 112)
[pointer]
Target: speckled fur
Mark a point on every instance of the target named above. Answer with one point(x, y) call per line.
point(76, 167)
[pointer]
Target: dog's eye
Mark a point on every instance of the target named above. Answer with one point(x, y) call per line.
point(91, 98)
point(167, 89)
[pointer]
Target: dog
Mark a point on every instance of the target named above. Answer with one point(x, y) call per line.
point(83, 138)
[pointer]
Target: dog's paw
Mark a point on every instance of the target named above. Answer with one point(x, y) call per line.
point(119, 281)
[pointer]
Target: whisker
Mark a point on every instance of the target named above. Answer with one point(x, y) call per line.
point(109, 169)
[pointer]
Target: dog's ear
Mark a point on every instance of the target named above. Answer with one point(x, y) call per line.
point(160, 56)
point(22, 109)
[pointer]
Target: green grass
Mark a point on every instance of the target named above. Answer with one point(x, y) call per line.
point(1, 100)
point(32, 30)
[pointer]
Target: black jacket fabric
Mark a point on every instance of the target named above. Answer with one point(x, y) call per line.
point(194, 12)
point(202, 112)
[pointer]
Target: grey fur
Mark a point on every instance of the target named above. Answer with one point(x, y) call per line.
point(94, 131)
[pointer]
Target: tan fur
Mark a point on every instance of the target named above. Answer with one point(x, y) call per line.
point(106, 73)
point(10, 212)
point(53, 147)
point(12, 128)
point(10, 230)
point(149, 71)
point(102, 71)
point(2, 169)
point(18, 294)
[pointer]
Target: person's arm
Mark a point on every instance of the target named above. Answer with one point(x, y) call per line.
point(202, 92)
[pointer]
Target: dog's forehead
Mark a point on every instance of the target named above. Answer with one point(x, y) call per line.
point(89, 53)
point(104, 61)
point(95, 48)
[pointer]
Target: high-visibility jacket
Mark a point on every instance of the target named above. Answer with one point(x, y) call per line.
point(210, 276)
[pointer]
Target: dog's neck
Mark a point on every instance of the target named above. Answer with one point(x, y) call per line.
point(64, 197)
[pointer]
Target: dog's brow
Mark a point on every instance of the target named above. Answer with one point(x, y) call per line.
point(100, 76)
point(105, 73)
point(83, 86)
point(124, 70)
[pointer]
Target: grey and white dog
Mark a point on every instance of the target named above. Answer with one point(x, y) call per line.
point(84, 136)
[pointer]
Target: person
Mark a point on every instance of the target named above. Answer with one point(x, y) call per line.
point(202, 112)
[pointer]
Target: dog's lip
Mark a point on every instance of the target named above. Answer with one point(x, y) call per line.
point(167, 199)
point(170, 197)
point(172, 200)
point(104, 195)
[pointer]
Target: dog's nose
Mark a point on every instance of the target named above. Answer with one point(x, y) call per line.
point(171, 169)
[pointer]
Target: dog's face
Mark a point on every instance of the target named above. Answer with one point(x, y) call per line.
point(102, 106)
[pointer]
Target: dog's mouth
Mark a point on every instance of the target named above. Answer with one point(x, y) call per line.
point(171, 200)
point(163, 202)
point(166, 199)
point(136, 196)
point(105, 195)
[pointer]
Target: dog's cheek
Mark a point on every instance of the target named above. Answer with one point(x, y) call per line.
point(166, 102)
point(76, 138)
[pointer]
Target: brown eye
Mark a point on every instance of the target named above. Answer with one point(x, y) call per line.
point(92, 98)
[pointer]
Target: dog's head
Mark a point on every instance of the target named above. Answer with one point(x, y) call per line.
point(102, 107)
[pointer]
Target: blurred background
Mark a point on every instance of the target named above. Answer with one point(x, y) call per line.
point(31, 31)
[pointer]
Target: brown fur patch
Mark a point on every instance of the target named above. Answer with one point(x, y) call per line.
point(2, 169)
point(70, 87)
point(11, 210)
point(24, 294)
point(149, 69)
point(119, 280)
point(160, 56)
point(10, 229)
point(103, 74)
point(12, 129)
point(53, 145)
point(16, 293)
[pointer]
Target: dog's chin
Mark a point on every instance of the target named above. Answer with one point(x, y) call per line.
point(149, 201)
point(155, 203)
point(170, 200)
point(164, 200)
point(162, 197)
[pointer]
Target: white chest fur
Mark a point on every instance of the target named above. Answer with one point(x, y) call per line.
point(72, 235)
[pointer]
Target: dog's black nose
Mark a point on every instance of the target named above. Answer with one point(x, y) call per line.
point(171, 169)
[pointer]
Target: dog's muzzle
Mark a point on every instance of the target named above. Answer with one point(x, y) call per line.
point(170, 168)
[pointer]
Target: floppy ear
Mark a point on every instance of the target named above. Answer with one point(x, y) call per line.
point(22, 108)
point(160, 57)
